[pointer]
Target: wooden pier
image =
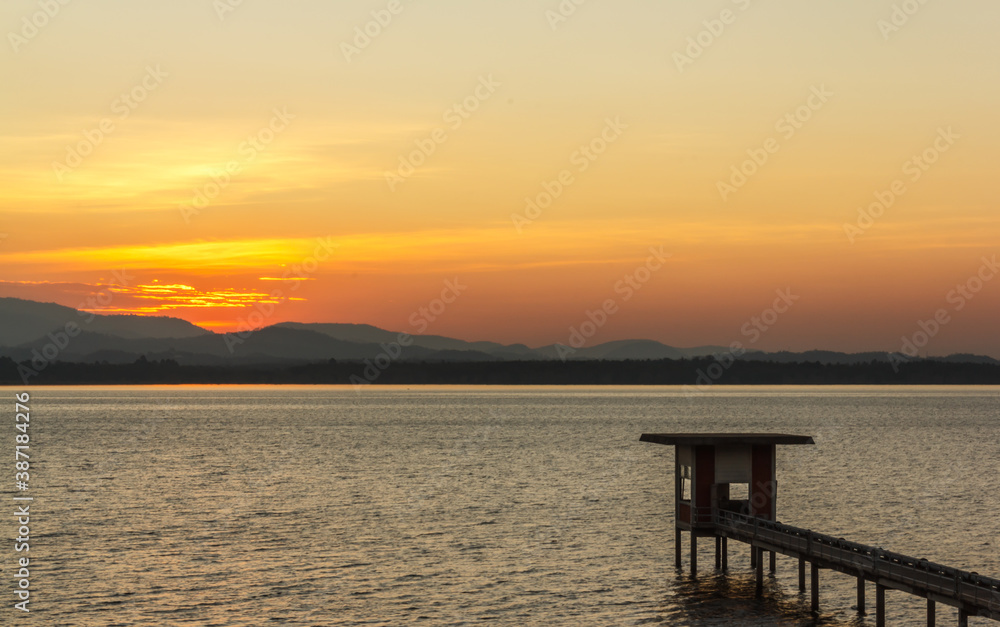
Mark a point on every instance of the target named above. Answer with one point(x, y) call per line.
point(706, 468)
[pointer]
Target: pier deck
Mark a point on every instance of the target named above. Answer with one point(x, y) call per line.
point(971, 593)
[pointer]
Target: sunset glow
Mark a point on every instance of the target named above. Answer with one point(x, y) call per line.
point(220, 162)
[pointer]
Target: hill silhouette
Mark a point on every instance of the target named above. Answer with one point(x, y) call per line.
point(38, 337)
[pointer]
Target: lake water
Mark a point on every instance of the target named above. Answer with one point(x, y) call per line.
point(237, 505)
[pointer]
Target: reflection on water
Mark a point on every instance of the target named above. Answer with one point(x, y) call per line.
point(715, 598)
point(450, 506)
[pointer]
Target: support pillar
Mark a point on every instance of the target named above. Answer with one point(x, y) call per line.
point(963, 618)
point(694, 553)
point(760, 571)
point(879, 605)
point(772, 565)
point(814, 575)
point(718, 552)
point(802, 575)
point(861, 596)
point(753, 556)
point(677, 547)
point(931, 613)
point(725, 553)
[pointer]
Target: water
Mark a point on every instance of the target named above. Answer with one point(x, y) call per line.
point(450, 506)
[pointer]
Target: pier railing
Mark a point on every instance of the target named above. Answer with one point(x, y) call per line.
point(893, 570)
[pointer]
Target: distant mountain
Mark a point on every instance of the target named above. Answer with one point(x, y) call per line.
point(22, 320)
point(622, 349)
point(267, 345)
point(28, 329)
point(305, 345)
point(25, 328)
point(367, 333)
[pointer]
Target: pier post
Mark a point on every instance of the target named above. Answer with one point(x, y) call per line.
point(802, 575)
point(753, 556)
point(694, 553)
point(725, 553)
point(931, 613)
point(718, 552)
point(760, 571)
point(814, 575)
point(963, 618)
point(861, 595)
point(677, 547)
point(879, 605)
point(772, 565)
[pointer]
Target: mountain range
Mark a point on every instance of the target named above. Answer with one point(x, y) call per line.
point(49, 332)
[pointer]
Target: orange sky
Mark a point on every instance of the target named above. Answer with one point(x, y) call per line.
point(181, 160)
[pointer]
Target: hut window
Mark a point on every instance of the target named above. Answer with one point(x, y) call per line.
point(685, 483)
point(739, 491)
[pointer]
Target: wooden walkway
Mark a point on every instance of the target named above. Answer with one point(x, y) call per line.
point(971, 593)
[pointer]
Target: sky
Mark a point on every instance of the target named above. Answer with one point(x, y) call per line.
point(789, 175)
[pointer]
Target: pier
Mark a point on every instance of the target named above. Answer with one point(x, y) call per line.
point(725, 488)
